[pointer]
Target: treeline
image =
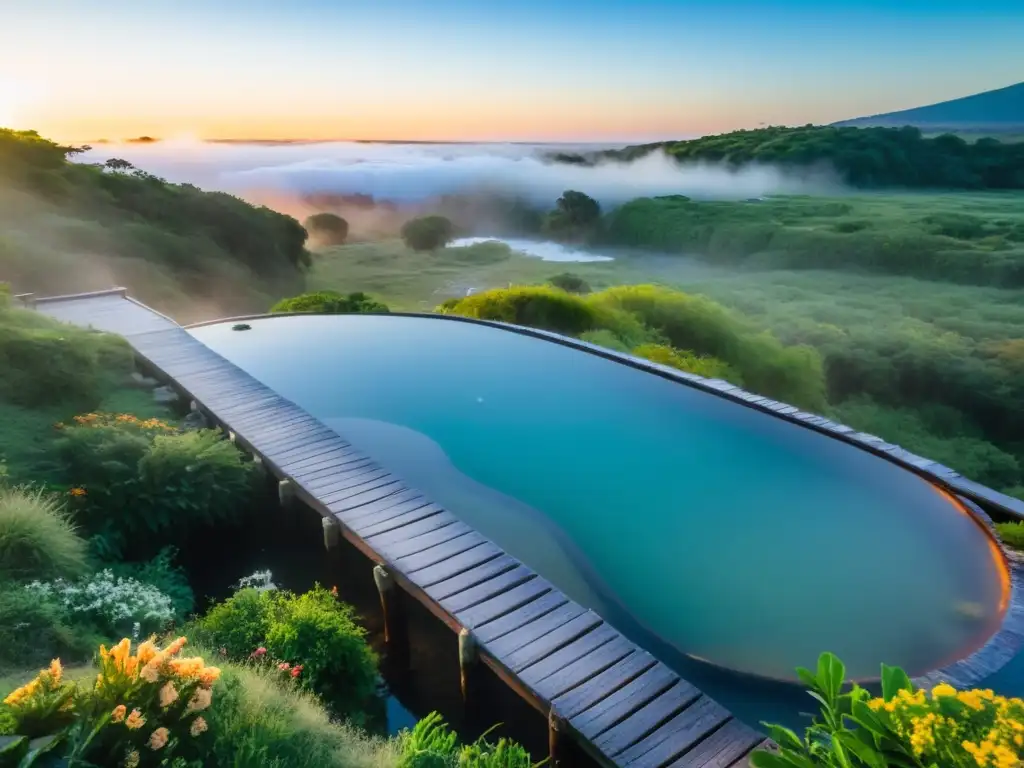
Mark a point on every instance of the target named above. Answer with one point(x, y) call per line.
point(72, 226)
point(863, 157)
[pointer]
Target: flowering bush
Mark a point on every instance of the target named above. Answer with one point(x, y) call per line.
point(141, 482)
point(144, 709)
point(114, 603)
point(905, 726)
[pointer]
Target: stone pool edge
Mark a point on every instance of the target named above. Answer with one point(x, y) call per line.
point(995, 653)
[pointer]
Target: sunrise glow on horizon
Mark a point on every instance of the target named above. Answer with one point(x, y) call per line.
point(601, 70)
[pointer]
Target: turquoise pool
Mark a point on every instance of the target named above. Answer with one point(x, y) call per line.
point(707, 528)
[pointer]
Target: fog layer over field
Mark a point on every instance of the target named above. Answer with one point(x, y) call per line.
point(284, 175)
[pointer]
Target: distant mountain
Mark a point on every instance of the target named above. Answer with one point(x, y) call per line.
point(998, 111)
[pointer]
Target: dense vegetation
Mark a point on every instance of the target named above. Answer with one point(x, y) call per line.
point(428, 233)
point(327, 228)
point(330, 302)
point(862, 157)
point(979, 241)
point(67, 227)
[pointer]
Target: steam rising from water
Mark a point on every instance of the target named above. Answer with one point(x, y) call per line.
point(281, 174)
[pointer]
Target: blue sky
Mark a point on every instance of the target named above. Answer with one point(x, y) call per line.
point(460, 69)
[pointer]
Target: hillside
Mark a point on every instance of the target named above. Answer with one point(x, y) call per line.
point(997, 111)
point(67, 227)
point(868, 158)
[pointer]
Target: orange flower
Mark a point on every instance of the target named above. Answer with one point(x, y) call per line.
point(77, 492)
point(187, 668)
point(118, 714)
point(135, 720)
point(158, 738)
point(200, 700)
point(56, 672)
point(198, 726)
point(175, 646)
point(209, 676)
point(168, 694)
point(146, 651)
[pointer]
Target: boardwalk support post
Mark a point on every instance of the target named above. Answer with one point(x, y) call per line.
point(556, 740)
point(331, 532)
point(395, 634)
point(257, 462)
point(468, 657)
point(285, 492)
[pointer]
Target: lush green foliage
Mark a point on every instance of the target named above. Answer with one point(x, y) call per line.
point(143, 483)
point(708, 367)
point(327, 228)
point(68, 227)
point(863, 157)
point(313, 630)
point(570, 282)
point(162, 573)
point(331, 302)
point(1012, 534)
point(904, 727)
point(574, 218)
point(428, 233)
point(975, 240)
point(33, 632)
point(37, 540)
point(431, 744)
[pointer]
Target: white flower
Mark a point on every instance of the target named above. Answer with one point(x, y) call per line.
point(260, 581)
point(108, 598)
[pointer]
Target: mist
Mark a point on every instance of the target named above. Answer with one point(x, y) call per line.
point(292, 176)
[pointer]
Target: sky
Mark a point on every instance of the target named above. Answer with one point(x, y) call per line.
point(488, 70)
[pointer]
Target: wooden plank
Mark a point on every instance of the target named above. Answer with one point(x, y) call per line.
point(438, 554)
point(303, 443)
point(286, 442)
point(529, 632)
point(285, 418)
point(627, 699)
point(385, 504)
point(676, 736)
point(505, 613)
point(590, 666)
point(488, 589)
point(341, 460)
point(267, 435)
point(350, 498)
point(398, 505)
point(383, 541)
point(550, 641)
point(420, 543)
point(349, 478)
point(471, 578)
point(369, 527)
point(310, 451)
point(723, 748)
point(589, 643)
point(602, 686)
point(646, 718)
point(459, 563)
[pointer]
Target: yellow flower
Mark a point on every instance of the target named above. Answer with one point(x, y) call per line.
point(209, 676)
point(198, 726)
point(118, 714)
point(168, 694)
point(25, 692)
point(158, 738)
point(135, 720)
point(971, 699)
point(876, 704)
point(56, 672)
point(146, 651)
point(175, 646)
point(186, 668)
point(77, 492)
point(200, 700)
point(131, 760)
point(943, 689)
point(120, 652)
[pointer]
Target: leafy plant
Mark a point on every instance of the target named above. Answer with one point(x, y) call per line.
point(328, 228)
point(569, 282)
point(162, 573)
point(331, 303)
point(37, 539)
point(708, 367)
point(1012, 534)
point(431, 744)
point(904, 727)
point(33, 632)
point(428, 233)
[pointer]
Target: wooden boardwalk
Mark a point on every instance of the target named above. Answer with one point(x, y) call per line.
point(617, 701)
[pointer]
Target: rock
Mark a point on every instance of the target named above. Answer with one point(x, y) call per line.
point(195, 420)
point(165, 395)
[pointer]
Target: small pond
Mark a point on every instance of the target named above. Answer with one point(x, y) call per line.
point(545, 250)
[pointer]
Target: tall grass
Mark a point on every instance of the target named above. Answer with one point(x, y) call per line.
point(37, 540)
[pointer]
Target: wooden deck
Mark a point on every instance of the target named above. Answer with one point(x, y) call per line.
point(617, 701)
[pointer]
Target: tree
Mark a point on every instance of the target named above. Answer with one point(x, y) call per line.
point(331, 303)
point(117, 165)
point(428, 233)
point(327, 228)
point(570, 283)
point(575, 216)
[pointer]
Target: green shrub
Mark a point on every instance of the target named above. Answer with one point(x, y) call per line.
point(708, 367)
point(258, 722)
point(602, 337)
point(574, 218)
point(331, 302)
point(570, 283)
point(162, 573)
point(1012, 534)
point(428, 233)
point(37, 540)
point(431, 744)
point(328, 228)
point(33, 632)
point(313, 630)
point(144, 483)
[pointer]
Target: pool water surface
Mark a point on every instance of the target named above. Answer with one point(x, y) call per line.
point(726, 534)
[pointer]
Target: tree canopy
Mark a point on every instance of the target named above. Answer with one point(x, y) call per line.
point(327, 228)
point(331, 303)
point(427, 233)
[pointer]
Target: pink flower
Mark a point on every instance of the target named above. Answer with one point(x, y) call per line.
point(296, 670)
point(284, 666)
point(259, 653)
